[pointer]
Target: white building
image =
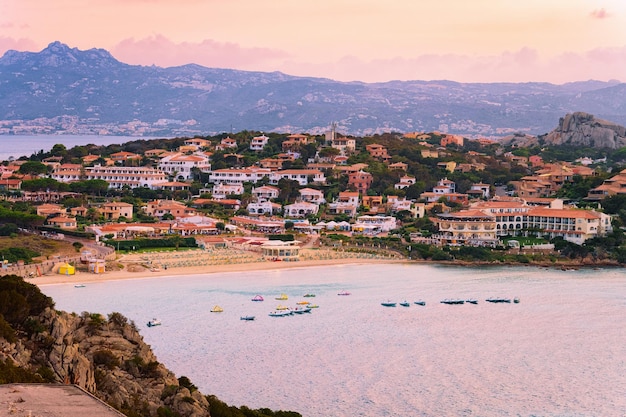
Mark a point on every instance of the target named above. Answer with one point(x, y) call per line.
point(238, 175)
point(301, 209)
point(180, 166)
point(300, 175)
point(221, 191)
point(372, 225)
point(116, 176)
point(265, 192)
point(258, 143)
point(311, 195)
point(263, 207)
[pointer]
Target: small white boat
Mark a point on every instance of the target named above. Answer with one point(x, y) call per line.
point(154, 322)
point(247, 318)
point(281, 313)
point(79, 286)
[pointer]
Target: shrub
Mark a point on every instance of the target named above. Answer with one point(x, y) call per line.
point(106, 358)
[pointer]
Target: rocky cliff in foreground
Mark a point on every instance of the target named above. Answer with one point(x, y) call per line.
point(106, 356)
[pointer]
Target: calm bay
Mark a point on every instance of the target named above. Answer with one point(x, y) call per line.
point(559, 352)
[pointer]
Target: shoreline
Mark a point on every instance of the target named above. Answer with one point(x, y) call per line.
point(202, 262)
point(86, 277)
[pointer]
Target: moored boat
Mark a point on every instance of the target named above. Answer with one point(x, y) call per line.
point(452, 301)
point(312, 306)
point(498, 300)
point(154, 322)
point(282, 297)
point(79, 286)
point(217, 309)
point(302, 303)
point(309, 295)
point(300, 310)
point(405, 304)
point(344, 293)
point(280, 313)
point(247, 318)
point(420, 302)
point(472, 301)
point(388, 303)
point(257, 297)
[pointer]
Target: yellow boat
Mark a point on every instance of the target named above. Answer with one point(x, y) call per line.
point(282, 307)
point(217, 309)
point(282, 297)
point(303, 303)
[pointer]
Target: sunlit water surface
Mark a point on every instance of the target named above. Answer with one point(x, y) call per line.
point(560, 352)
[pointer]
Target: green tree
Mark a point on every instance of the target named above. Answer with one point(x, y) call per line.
point(33, 168)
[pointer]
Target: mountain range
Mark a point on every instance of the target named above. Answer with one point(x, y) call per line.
point(66, 90)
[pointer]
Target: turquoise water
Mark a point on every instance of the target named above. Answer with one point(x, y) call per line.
point(559, 352)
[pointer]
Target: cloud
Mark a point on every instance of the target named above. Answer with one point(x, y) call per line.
point(21, 44)
point(523, 65)
point(161, 51)
point(599, 14)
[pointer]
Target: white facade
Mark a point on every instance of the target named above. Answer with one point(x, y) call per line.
point(311, 195)
point(116, 176)
point(221, 191)
point(300, 175)
point(180, 165)
point(258, 143)
point(263, 207)
point(265, 192)
point(374, 224)
point(301, 209)
point(238, 176)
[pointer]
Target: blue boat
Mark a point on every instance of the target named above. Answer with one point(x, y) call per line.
point(388, 304)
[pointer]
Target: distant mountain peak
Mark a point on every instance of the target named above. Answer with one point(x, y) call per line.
point(58, 54)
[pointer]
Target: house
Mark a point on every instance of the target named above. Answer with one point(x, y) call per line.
point(159, 208)
point(265, 192)
point(373, 225)
point(8, 184)
point(197, 143)
point(451, 140)
point(116, 209)
point(373, 203)
point(123, 157)
point(63, 222)
point(405, 181)
point(449, 166)
point(295, 141)
point(303, 176)
point(360, 180)
point(347, 204)
point(258, 143)
point(378, 151)
point(181, 166)
point(46, 210)
point(615, 185)
point(226, 143)
point(481, 190)
point(238, 175)
point(221, 191)
point(273, 164)
point(429, 153)
point(264, 207)
point(398, 166)
point(171, 186)
point(301, 209)
point(311, 195)
point(345, 145)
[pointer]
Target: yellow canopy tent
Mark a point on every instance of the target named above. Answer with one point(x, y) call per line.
point(67, 269)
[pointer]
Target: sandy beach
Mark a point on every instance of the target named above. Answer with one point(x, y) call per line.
point(200, 262)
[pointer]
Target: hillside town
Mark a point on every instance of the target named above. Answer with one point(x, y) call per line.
point(432, 189)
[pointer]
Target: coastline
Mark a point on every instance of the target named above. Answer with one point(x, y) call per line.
point(135, 268)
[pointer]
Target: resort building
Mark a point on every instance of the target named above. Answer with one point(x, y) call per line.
point(159, 208)
point(265, 192)
point(181, 167)
point(116, 177)
point(405, 181)
point(238, 175)
point(278, 250)
point(373, 225)
point(615, 185)
point(311, 195)
point(115, 210)
point(264, 207)
point(467, 227)
point(345, 145)
point(303, 176)
point(221, 191)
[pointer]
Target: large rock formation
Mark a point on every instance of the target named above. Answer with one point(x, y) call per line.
point(583, 129)
point(105, 356)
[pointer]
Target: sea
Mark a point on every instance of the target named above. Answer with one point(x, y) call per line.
point(16, 146)
point(560, 351)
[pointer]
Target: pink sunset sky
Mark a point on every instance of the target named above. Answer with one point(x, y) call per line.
point(555, 41)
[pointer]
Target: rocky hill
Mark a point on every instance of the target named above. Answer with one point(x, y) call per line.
point(583, 129)
point(106, 356)
point(66, 90)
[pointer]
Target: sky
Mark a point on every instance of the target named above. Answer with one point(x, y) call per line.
point(555, 41)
